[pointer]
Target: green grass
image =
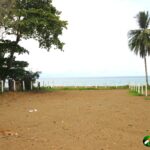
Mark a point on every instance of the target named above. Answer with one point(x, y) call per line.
point(59, 88)
point(147, 98)
point(134, 93)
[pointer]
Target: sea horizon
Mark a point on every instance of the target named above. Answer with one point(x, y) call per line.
point(92, 81)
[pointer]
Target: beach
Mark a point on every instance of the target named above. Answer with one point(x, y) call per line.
point(73, 120)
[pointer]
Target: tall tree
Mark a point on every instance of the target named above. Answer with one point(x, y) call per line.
point(139, 39)
point(36, 19)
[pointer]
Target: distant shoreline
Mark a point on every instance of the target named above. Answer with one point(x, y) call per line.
point(92, 81)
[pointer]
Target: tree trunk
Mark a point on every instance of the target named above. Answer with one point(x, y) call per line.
point(146, 74)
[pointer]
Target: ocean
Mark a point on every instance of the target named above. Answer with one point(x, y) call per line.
point(92, 81)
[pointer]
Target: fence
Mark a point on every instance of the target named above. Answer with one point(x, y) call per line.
point(14, 86)
point(21, 86)
point(141, 89)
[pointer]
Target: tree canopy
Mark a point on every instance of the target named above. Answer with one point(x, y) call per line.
point(139, 39)
point(23, 20)
point(37, 19)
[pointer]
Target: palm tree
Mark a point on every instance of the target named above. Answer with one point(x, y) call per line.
point(139, 40)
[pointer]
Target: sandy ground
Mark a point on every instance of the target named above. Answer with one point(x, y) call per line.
point(74, 120)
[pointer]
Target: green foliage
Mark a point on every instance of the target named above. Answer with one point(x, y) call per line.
point(7, 46)
point(57, 88)
point(5, 8)
point(139, 40)
point(134, 93)
point(16, 71)
point(25, 19)
point(35, 19)
point(10, 68)
point(28, 77)
point(143, 19)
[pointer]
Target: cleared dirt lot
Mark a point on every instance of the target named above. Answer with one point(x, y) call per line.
point(74, 120)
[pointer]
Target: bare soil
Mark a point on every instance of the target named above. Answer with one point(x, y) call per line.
point(74, 120)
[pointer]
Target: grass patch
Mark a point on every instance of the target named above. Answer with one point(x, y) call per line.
point(147, 98)
point(59, 88)
point(134, 93)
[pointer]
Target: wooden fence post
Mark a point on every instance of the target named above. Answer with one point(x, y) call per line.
point(23, 85)
point(132, 87)
point(31, 86)
point(142, 91)
point(139, 88)
point(2, 86)
point(39, 85)
point(145, 90)
point(14, 85)
point(136, 88)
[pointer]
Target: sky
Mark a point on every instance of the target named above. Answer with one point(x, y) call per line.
point(96, 41)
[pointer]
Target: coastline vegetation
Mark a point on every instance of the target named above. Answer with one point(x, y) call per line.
point(61, 88)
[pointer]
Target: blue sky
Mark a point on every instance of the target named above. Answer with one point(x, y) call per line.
point(96, 40)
